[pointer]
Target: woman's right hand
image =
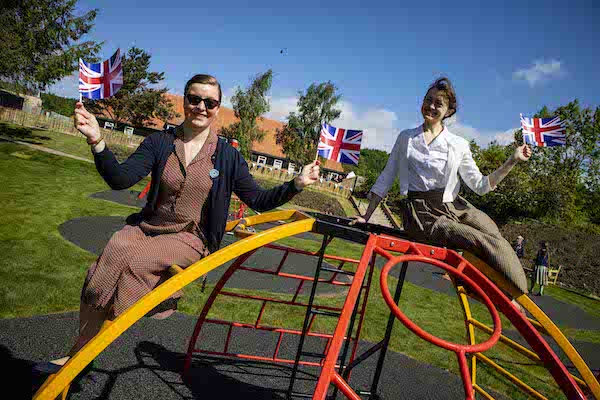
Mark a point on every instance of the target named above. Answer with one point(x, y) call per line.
point(86, 123)
point(357, 219)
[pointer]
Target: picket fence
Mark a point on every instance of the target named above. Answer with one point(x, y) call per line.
point(63, 125)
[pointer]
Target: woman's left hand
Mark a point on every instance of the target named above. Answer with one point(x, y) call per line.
point(522, 153)
point(308, 176)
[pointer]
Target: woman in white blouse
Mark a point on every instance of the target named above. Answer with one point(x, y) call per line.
point(427, 161)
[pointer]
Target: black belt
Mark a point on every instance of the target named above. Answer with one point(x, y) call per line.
point(435, 194)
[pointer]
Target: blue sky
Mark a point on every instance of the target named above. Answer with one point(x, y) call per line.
point(504, 59)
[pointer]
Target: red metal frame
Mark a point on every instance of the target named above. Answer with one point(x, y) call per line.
point(453, 263)
point(238, 265)
point(381, 245)
point(328, 374)
point(239, 208)
point(459, 349)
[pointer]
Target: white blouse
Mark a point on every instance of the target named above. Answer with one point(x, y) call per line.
point(427, 163)
point(459, 161)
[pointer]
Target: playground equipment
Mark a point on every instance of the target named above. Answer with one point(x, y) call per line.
point(339, 355)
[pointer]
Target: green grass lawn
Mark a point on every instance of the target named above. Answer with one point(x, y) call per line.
point(43, 273)
point(587, 304)
point(74, 145)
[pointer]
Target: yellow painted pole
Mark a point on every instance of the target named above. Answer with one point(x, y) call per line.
point(546, 323)
point(531, 391)
point(517, 347)
point(464, 303)
point(482, 392)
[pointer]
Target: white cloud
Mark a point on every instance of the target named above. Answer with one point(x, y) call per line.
point(226, 96)
point(281, 107)
point(378, 125)
point(539, 72)
point(483, 138)
point(66, 87)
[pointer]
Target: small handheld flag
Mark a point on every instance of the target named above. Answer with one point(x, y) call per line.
point(101, 80)
point(543, 131)
point(342, 145)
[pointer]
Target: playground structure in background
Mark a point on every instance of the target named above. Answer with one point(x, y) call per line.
point(471, 277)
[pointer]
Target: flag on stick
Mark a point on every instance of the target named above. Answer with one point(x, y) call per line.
point(101, 80)
point(342, 145)
point(543, 131)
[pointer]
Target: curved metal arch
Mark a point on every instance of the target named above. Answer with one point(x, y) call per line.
point(301, 223)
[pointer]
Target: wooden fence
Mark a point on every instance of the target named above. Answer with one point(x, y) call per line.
point(282, 175)
point(63, 125)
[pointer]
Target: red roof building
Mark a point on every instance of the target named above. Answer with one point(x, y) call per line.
point(267, 151)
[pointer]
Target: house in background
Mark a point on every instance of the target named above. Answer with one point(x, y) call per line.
point(30, 104)
point(267, 152)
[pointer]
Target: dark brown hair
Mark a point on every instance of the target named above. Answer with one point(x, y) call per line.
point(444, 86)
point(205, 79)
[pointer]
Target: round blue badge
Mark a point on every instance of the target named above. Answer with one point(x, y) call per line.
point(213, 173)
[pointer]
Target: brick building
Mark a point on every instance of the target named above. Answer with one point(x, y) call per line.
point(267, 152)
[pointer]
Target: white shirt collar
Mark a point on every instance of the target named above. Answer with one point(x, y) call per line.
point(444, 134)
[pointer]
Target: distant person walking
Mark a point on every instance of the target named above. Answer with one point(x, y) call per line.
point(540, 272)
point(520, 247)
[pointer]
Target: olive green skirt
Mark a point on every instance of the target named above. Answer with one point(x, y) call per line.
point(459, 225)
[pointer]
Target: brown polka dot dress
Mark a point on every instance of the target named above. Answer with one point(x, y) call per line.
point(137, 258)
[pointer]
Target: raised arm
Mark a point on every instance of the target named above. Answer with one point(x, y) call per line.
point(521, 153)
point(481, 184)
point(118, 176)
point(260, 199)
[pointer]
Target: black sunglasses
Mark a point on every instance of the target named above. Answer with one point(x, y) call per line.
point(208, 103)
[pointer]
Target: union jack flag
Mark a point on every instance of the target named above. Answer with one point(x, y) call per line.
point(342, 145)
point(543, 131)
point(101, 80)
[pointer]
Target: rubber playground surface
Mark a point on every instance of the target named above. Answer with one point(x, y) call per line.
point(146, 361)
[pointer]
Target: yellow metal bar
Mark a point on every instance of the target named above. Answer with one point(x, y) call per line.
point(539, 326)
point(531, 391)
point(507, 341)
point(543, 320)
point(106, 336)
point(283, 215)
point(517, 347)
point(242, 233)
point(274, 216)
point(482, 392)
point(464, 302)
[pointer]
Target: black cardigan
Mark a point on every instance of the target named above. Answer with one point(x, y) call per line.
point(151, 157)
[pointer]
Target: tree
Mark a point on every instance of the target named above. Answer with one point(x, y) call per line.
point(137, 102)
point(248, 106)
point(40, 41)
point(372, 162)
point(559, 184)
point(58, 104)
point(557, 171)
point(513, 196)
point(299, 138)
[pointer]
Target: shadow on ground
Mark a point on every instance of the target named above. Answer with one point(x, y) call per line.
point(146, 362)
point(21, 133)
